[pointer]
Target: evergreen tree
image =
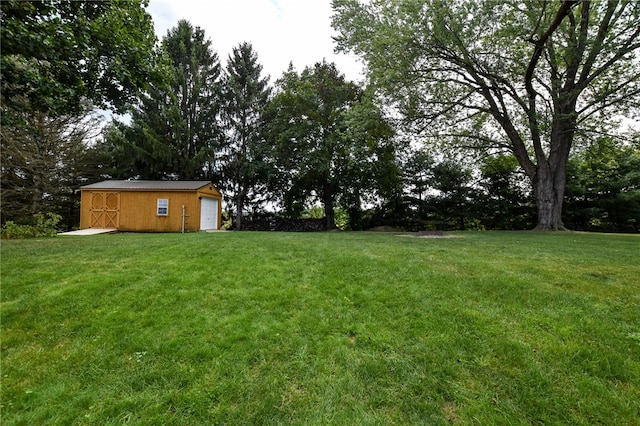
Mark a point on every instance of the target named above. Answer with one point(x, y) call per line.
point(175, 130)
point(505, 202)
point(603, 190)
point(417, 176)
point(454, 202)
point(44, 162)
point(245, 95)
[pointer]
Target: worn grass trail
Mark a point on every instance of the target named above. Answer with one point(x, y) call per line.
point(330, 328)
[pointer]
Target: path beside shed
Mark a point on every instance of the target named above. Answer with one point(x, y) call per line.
point(90, 231)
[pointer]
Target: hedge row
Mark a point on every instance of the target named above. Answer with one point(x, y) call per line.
point(284, 224)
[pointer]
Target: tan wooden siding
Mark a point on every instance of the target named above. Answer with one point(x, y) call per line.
point(137, 210)
point(104, 209)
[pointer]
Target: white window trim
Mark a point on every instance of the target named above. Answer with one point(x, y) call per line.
point(163, 203)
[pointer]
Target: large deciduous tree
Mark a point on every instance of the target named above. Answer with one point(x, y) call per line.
point(245, 95)
point(59, 59)
point(58, 54)
point(523, 76)
point(330, 142)
point(175, 128)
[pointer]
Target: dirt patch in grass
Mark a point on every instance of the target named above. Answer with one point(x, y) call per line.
point(450, 412)
point(429, 234)
point(433, 234)
point(383, 229)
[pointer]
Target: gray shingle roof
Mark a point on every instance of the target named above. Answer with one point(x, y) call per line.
point(148, 185)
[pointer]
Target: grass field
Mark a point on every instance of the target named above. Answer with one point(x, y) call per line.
point(329, 328)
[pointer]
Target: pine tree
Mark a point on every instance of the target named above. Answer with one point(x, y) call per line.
point(175, 130)
point(245, 95)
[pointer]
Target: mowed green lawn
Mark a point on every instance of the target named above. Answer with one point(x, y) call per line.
point(326, 328)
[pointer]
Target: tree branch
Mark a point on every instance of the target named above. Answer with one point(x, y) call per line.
point(597, 46)
point(605, 103)
point(563, 11)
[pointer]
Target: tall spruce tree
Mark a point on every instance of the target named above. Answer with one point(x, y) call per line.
point(175, 130)
point(245, 95)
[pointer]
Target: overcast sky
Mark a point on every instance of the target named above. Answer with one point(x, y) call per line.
point(281, 31)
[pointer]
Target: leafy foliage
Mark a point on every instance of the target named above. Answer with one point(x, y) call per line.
point(504, 202)
point(456, 193)
point(331, 142)
point(509, 75)
point(59, 60)
point(44, 161)
point(44, 226)
point(58, 54)
point(603, 193)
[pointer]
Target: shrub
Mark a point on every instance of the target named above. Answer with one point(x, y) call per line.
point(44, 226)
point(284, 224)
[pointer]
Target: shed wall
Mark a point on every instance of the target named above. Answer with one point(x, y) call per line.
point(138, 209)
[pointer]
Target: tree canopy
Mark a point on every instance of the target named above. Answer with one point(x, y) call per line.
point(520, 76)
point(329, 141)
point(538, 89)
point(44, 160)
point(59, 60)
point(58, 54)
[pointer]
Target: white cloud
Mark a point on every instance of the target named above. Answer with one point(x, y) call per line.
point(281, 31)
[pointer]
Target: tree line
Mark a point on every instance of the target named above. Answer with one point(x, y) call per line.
point(382, 153)
point(316, 137)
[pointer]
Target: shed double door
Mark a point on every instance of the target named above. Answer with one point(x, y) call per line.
point(208, 213)
point(105, 210)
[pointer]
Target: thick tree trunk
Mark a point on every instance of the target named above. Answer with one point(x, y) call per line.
point(550, 180)
point(329, 212)
point(549, 193)
point(549, 185)
point(239, 209)
point(40, 173)
point(36, 196)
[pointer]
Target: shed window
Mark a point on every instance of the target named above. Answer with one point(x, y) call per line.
point(163, 207)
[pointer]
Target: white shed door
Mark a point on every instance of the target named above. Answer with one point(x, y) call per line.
point(208, 213)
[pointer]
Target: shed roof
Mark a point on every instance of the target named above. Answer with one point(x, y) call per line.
point(148, 185)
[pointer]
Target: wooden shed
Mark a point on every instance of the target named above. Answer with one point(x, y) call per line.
point(151, 206)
